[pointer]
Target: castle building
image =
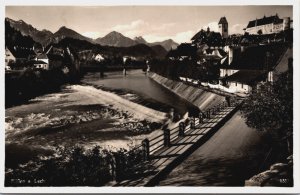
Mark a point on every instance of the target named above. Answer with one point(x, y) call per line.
point(223, 27)
point(268, 25)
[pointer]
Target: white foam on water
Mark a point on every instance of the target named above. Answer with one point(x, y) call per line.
point(136, 110)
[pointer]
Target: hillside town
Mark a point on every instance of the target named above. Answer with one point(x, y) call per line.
point(120, 111)
point(256, 54)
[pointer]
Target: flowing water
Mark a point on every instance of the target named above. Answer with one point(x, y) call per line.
point(103, 111)
point(113, 112)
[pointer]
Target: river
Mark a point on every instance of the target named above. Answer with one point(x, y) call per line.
point(113, 112)
point(104, 111)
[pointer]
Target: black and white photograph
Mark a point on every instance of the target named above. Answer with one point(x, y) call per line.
point(120, 95)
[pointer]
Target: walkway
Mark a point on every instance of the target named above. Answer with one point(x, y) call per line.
point(232, 155)
point(163, 160)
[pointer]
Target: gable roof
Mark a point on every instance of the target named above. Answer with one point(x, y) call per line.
point(210, 38)
point(248, 77)
point(256, 58)
point(42, 56)
point(21, 52)
point(263, 21)
point(223, 20)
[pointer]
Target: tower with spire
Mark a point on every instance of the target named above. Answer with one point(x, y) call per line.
point(223, 27)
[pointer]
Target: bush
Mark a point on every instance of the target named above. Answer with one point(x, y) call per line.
point(78, 167)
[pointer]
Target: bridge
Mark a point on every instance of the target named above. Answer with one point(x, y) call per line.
point(161, 154)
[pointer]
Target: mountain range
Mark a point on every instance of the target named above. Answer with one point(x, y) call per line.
point(113, 38)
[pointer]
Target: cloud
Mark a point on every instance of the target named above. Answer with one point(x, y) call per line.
point(92, 34)
point(149, 32)
point(133, 26)
point(141, 27)
point(236, 29)
point(212, 25)
point(180, 37)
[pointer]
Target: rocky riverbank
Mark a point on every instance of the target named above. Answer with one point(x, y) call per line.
point(279, 174)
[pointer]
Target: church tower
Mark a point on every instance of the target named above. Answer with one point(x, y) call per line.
point(223, 27)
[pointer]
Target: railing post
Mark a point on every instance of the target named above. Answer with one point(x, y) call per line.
point(146, 149)
point(208, 113)
point(181, 129)
point(192, 123)
point(118, 167)
point(213, 111)
point(200, 117)
point(167, 137)
point(112, 163)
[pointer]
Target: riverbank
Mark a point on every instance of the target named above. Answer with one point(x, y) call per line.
point(198, 97)
point(77, 115)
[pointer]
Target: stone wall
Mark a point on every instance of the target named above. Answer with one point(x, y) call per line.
point(199, 97)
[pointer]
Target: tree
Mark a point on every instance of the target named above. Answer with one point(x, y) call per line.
point(270, 108)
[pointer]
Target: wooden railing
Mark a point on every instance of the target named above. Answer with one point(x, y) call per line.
point(148, 147)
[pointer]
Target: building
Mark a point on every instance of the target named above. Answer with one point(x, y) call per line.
point(246, 67)
point(38, 64)
point(242, 81)
point(99, 57)
point(9, 57)
point(182, 52)
point(42, 58)
point(210, 38)
point(223, 27)
point(268, 25)
point(18, 54)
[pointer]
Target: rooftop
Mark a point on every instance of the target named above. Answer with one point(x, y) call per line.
point(223, 20)
point(264, 57)
point(247, 76)
point(21, 52)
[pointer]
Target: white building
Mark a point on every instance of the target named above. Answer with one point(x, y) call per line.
point(268, 25)
point(99, 57)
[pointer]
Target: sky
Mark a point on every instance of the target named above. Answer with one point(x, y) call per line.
point(153, 23)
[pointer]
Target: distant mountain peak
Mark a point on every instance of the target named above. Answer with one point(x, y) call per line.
point(63, 28)
point(29, 30)
point(116, 39)
point(140, 39)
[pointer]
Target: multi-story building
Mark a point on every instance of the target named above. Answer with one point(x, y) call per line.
point(268, 25)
